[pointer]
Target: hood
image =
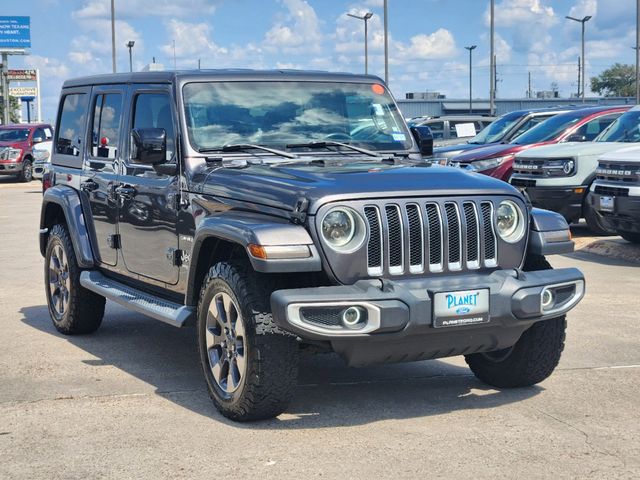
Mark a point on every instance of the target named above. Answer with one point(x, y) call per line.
point(490, 151)
point(573, 149)
point(624, 154)
point(281, 186)
point(461, 147)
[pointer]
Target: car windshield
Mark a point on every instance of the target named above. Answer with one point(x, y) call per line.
point(13, 134)
point(625, 128)
point(495, 131)
point(277, 114)
point(549, 129)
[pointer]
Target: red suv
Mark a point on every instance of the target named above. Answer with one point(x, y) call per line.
point(16, 148)
point(581, 125)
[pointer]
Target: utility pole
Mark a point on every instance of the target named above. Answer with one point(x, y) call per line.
point(5, 88)
point(529, 87)
point(492, 79)
point(113, 36)
point(471, 49)
point(579, 73)
point(582, 21)
point(495, 83)
point(637, 51)
point(386, 45)
point(130, 45)
point(39, 111)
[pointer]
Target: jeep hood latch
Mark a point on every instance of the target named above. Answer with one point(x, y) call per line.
point(299, 214)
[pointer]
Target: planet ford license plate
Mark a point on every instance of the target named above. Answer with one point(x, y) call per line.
point(457, 309)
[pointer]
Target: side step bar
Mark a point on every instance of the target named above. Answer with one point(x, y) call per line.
point(136, 300)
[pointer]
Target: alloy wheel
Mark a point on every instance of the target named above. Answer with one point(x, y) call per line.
point(59, 281)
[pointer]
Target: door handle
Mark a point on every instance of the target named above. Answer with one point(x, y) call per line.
point(126, 192)
point(88, 186)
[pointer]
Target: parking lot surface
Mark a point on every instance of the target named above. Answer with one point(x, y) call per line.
point(130, 401)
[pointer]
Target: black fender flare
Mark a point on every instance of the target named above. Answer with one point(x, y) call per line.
point(69, 201)
point(244, 229)
point(549, 233)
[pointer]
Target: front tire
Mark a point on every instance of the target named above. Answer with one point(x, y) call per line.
point(73, 308)
point(534, 356)
point(250, 365)
point(631, 237)
point(26, 175)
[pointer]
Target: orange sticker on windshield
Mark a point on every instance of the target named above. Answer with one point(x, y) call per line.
point(377, 89)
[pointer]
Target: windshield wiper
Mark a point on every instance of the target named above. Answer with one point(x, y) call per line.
point(327, 144)
point(241, 147)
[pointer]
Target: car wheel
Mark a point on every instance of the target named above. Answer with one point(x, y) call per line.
point(534, 356)
point(594, 221)
point(250, 365)
point(26, 175)
point(73, 308)
point(631, 237)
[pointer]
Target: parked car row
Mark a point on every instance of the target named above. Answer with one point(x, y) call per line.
point(452, 129)
point(552, 156)
point(20, 145)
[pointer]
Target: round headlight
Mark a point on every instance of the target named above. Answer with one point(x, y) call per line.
point(343, 229)
point(510, 222)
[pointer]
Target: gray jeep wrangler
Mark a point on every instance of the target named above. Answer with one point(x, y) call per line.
point(282, 212)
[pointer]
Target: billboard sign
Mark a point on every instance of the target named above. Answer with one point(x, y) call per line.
point(29, 74)
point(15, 33)
point(23, 91)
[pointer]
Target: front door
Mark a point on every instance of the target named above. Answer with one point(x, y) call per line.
point(147, 198)
point(103, 153)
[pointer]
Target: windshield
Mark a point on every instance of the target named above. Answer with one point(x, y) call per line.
point(549, 129)
point(494, 132)
point(626, 128)
point(13, 134)
point(276, 114)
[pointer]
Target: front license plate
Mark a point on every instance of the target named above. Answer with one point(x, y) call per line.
point(607, 204)
point(457, 309)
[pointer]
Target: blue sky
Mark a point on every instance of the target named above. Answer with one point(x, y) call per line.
point(427, 39)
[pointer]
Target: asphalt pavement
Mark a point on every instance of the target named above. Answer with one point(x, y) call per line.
point(130, 401)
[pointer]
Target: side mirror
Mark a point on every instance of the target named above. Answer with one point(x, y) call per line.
point(38, 140)
point(149, 146)
point(424, 139)
point(576, 137)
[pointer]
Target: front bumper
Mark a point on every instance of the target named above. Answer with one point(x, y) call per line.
point(567, 201)
point(10, 168)
point(39, 169)
point(625, 216)
point(401, 323)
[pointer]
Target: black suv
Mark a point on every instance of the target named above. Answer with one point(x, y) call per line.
point(285, 212)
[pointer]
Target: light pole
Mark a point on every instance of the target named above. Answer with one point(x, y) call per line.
point(130, 45)
point(637, 47)
point(386, 46)
point(366, 18)
point(471, 49)
point(492, 73)
point(113, 36)
point(583, 64)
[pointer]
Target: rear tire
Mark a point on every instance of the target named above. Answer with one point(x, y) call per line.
point(250, 365)
point(534, 356)
point(594, 222)
point(73, 308)
point(631, 237)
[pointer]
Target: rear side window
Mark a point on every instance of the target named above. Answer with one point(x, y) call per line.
point(437, 129)
point(105, 131)
point(593, 128)
point(71, 124)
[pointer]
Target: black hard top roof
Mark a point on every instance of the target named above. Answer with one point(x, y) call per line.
point(234, 74)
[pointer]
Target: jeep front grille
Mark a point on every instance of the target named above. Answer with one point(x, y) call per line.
point(429, 236)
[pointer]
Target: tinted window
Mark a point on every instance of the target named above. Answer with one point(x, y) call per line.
point(153, 110)
point(551, 128)
point(625, 128)
point(437, 128)
point(71, 124)
point(105, 131)
point(593, 128)
point(496, 131)
point(13, 134)
point(39, 133)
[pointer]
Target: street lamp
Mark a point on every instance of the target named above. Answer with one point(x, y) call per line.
point(471, 49)
point(130, 44)
point(583, 64)
point(366, 18)
point(113, 36)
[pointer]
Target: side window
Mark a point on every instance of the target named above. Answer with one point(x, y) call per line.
point(437, 129)
point(39, 133)
point(153, 110)
point(71, 124)
point(592, 128)
point(529, 124)
point(105, 129)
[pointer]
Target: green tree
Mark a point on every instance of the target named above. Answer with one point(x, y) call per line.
point(14, 106)
point(619, 80)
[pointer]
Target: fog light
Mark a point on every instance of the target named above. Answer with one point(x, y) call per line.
point(547, 299)
point(353, 317)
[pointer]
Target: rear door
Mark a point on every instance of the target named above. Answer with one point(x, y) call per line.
point(148, 204)
point(103, 154)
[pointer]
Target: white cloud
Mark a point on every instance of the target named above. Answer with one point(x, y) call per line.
point(522, 13)
point(49, 67)
point(298, 32)
point(437, 45)
point(137, 8)
point(191, 40)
